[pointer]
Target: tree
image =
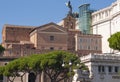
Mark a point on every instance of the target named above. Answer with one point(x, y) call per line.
point(34, 64)
point(114, 41)
point(23, 66)
point(1, 49)
point(51, 64)
point(19, 67)
point(16, 68)
point(2, 68)
point(11, 70)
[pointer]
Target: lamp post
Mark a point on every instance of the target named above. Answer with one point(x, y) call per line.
point(70, 69)
point(70, 64)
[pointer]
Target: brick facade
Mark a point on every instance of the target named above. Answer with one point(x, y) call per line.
point(27, 40)
point(51, 36)
point(15, 34)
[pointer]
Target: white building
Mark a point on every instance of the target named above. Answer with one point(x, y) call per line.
point(103, 67)
point(106, 22)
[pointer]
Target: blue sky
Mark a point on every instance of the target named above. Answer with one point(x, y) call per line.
point(39, 12)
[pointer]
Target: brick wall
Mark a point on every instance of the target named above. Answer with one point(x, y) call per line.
point(15, 34)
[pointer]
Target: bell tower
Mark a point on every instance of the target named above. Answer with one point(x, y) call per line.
point(69, 22)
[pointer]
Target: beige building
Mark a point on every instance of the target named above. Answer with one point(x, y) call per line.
point(88, 43)
point(49, 37)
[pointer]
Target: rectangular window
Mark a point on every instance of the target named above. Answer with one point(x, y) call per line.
point(51, 38)
point(96, 41)
point(60, 48)
point(80, 40)
point(96, 48)
point(109, 69)
point(88, 47)
point(116, 69)
point(10, 52)
point(101, 69)
point(51, 48)
point(81, 47)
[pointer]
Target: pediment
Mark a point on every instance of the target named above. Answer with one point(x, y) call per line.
point(52, 27)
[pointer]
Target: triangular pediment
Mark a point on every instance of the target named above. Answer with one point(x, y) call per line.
point(51, 27)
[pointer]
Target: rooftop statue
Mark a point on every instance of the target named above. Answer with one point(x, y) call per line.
point(68, 4)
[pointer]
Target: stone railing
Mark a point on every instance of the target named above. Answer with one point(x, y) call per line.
point(107, 56)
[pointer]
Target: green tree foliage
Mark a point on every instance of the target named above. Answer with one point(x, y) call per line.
point(2, 68)
point(50, 63)
point(1, 49)
point(19, 67)
point(16, 68)
point(23, 67)
point(11, 70)
point(114, 41)
point(34, 63)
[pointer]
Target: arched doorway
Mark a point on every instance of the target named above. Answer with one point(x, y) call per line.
point(31, 77)
point(1, 78)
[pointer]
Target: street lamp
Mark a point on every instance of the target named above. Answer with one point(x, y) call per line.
point(70, 69)
point(70, 64)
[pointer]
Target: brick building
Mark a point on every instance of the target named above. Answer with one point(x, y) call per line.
point(13, 34)
point(33, 40)
point(27, 40)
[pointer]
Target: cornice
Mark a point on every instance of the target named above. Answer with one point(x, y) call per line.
point(18, 26)
point(107, 19)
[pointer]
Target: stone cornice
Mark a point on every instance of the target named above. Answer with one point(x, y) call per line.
point(110, 17)
point(101, 58)
point(106, 19)
point(18, 26)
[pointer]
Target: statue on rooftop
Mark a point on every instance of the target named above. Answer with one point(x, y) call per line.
point(69, 6)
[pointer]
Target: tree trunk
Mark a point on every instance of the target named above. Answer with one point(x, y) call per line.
point(53, 80)
point(21, 78)
point(8, 78)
